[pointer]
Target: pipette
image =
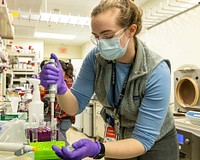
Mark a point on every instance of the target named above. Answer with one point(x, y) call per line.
point(52, 95)
point(18, 148)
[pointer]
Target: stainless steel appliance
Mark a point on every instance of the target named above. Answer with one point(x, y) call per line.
point(188, 138)
point(186, 90)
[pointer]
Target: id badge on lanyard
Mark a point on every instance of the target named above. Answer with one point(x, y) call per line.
point(113, 120)
point(112, 127)
point(109, 135)
point(116, 123)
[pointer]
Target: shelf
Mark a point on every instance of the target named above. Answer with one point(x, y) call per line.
point(8, 71)
point(6, 28)
point(23, 70)
point(21, 54)
point(20, 80)
point(24, 73)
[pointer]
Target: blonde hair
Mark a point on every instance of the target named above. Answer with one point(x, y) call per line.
point(129, 12)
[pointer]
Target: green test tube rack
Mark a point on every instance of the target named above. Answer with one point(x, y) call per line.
point(44, 150)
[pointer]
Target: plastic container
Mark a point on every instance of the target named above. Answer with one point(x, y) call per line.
point(44, 150)
point(20, 65)
point(36, 106)
point(194, 117)
point(24, 65)
point(14, 104)
point(27, 98)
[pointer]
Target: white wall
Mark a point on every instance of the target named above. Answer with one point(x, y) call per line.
point(177, 39)
point(73, 52)
point(86, 48)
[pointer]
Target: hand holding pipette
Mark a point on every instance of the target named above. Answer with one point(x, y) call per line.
point(53, 75)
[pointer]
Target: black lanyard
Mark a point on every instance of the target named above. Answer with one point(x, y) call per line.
point(114, 82)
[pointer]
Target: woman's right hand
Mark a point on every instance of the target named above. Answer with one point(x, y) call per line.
point(53, 75)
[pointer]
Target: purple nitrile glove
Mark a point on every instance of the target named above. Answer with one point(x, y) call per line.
point(82, 148)
point(53, 75)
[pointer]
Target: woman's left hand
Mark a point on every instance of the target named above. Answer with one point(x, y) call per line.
point(82, 148)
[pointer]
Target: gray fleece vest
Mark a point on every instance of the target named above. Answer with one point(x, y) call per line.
point(145, 62)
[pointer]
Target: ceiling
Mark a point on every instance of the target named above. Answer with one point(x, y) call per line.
point(26, 27)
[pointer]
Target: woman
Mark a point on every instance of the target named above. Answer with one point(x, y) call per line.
point(130, 81)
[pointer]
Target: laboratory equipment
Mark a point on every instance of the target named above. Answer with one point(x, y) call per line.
point(26, 98)
point(44, 150)
point(14, 101)
point(18, 148)
point(52, 95)
point(40, 134)
point(70, 148)
point(186, 88)
point(188, 138)
point(194, 117)
point(36, 106)
point(186, 101)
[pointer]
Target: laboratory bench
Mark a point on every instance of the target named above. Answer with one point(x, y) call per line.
point(11, 156)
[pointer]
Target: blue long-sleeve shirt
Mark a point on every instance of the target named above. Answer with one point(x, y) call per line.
point(154, 105)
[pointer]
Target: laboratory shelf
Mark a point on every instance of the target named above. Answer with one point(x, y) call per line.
point(21, 54)
point(23, 73)
point(6, 28)
point(23, 70)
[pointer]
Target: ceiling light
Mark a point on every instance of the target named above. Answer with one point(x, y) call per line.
point(56, 18)
point(54, 36)
point(66, 19)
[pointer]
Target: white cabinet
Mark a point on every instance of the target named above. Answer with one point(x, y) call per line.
point(88, 120)
point(99, 124)
point(78, 122)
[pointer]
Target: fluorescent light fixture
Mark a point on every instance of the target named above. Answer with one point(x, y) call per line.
point(57, 18)
point(54, 36)
point(66, 19)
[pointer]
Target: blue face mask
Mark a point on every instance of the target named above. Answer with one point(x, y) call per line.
point(110, 49)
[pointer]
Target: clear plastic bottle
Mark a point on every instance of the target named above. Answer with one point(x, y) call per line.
point(36, 106)
point(27, 98)
point(20, 65)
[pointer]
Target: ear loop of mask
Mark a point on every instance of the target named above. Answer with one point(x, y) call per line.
point(126, 42)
